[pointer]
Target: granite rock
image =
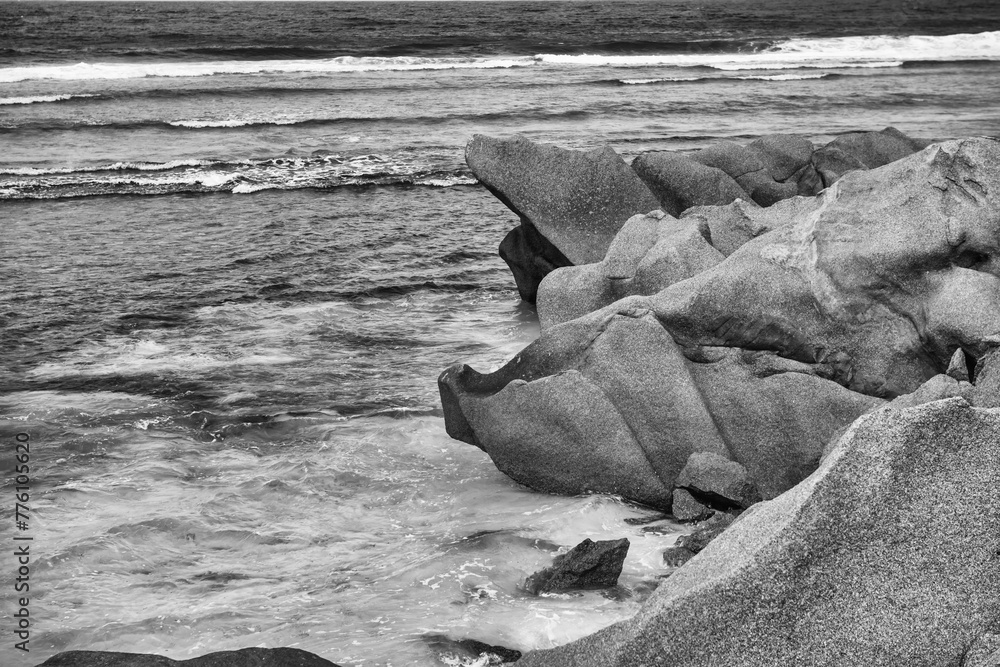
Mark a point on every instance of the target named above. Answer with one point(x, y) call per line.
point(577, 201)
point(885, 556)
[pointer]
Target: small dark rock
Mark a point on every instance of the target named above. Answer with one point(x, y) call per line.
point(687, 508)
point(716, 481)
point(677, 556)
point(706, 532)
point(472, 648)
point(958, 367)
point(643, 520)
point(588, 565)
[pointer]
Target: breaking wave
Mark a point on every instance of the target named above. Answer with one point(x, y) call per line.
point(239, 177)
point(829, 53)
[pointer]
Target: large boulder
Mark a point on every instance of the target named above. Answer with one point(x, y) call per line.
point(895, 269)
point(680, 182)
point(763, 357)
point(745, 166)
point(886, 556)
point(649, 253)
point(574, 200)
point(608, 402)
point(862, 150)
point(654, 251)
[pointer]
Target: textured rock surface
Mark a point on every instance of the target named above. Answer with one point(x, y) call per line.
point(763, 357)
point(588, 565)
point(608, 402)
point(688, 546)
point(685, 507)
point(885, 556)
point(576, 200)
point(245, 657)
point(862, 150)
point(895, 269)
point(718, 481)
point(680, 182)
point(650, 253)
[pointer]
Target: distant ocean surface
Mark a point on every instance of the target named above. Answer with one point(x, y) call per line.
point(239, 242)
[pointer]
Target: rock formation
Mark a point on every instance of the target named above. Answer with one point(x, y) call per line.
point(762, 357)
point(886, 556)
point(571, 203)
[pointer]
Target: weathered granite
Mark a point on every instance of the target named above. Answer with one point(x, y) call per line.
point(680, 182)
point(719, 481)
point(763, 357)
point(577, 201)
point(885, 556)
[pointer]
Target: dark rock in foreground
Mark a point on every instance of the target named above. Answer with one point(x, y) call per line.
point(472, 649)
point(244, 657)
point(886, 556)
point(588, 565)
point(571, 203)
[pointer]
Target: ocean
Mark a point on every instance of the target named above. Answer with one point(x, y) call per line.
point(239, 243)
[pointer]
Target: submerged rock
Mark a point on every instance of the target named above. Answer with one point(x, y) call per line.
point(688, 546)
point(588, 565)
point(571, 201)
point(764, 356)
point(244, 657)
point(885, 556)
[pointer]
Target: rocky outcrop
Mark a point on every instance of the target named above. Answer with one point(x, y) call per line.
point(764, 356)
point(244, 657)
point(650, 253)
point(571, 203)
point(609, 402)
point(654, 251)
point(588, 565)
point(681, 183)
point(886, 556)
point(862, 150)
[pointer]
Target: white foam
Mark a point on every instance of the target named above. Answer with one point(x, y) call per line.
point(116, 166)
point(827, 53)
point(669, 79)
point(87, 71)
point(781, 77)
point(118, 356)
point(248, 188)
point(38, 100)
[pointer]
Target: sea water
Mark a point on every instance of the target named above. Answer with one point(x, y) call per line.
point(239, 243)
